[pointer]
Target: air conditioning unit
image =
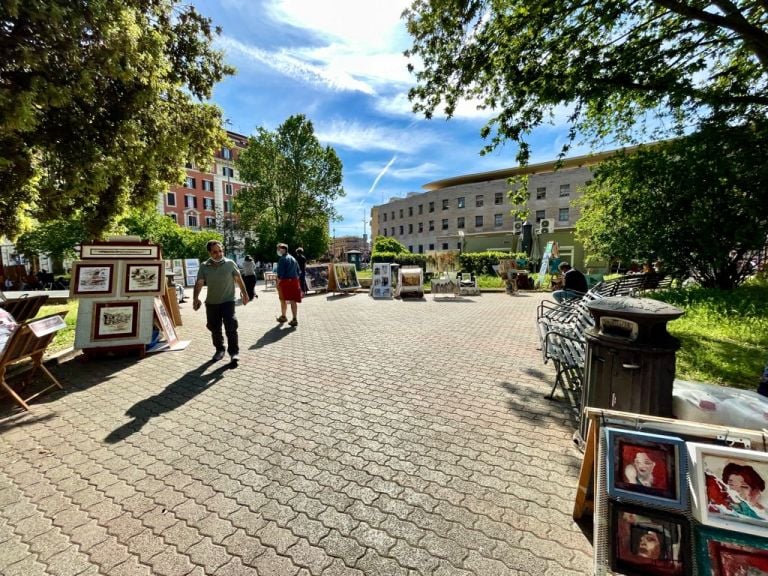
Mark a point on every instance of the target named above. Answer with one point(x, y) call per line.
point(546, 226)
point(517, 227)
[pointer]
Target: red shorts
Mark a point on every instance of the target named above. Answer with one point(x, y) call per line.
point(289, 289)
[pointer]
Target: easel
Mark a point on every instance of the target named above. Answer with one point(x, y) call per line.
point(599, 417)
point(24, 344)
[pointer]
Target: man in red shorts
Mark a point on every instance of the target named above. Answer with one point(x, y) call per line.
point(288, 285)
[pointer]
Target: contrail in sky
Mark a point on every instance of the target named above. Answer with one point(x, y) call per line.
point(381, 174)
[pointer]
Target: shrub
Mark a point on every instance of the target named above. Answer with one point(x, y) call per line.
point(483, 262)
point(403, 259)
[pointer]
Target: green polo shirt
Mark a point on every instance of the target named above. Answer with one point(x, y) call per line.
point(220, 280)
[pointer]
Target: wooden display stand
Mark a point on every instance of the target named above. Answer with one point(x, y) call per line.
point(28, 343)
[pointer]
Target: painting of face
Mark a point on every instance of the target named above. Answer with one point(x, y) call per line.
point(725, 553)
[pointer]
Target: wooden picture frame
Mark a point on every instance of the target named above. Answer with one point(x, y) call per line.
point(346, 276)
point(648, 542)
point(44, 326)
point(165, 321)
point(143, 278)
point(119, 250)
point(722, 553)
point(727, 486)
point(115, 320)
point(93, 278)
point(646, 468)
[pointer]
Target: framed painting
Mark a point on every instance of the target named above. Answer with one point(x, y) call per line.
point(120, 250)
point(165, 321)
point(721, 553)
point(346, 277)
point(648, 542)
point(727, 487)
point(144, 278)
point(93, 278)
point(115, 320)
point(317, 276)
point(647, 468)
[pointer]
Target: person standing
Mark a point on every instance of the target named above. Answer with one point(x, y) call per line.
point(302, 260)
point(288, 286)
point(574, 283)
point(220, 275)
point(249, 276)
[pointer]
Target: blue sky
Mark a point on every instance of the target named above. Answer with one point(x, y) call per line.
point(340, 63)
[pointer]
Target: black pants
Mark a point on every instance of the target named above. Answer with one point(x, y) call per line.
point(303, 282)
point(216, 315)
point(250, 284)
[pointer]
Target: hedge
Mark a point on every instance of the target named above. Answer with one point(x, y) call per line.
point(405, 259)
point(483, 262)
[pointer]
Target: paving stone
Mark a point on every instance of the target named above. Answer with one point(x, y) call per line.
point(235, 567)
point(181, 536)
point(29, 566)
point(342, 547)
point(169, 562)
point(308, 556)
point(206, 553)
point(272, 564)
point(372, 564)
point(146, 545)
point(88, 535)
point(338, 568)
point(276, 537)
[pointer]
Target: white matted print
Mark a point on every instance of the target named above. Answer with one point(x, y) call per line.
point(93, 279)
point(115, 320)
point(728, 488)
point(144, 278)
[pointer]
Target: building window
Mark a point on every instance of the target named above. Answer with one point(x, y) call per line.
point(208, 203)
point(431, 225)
point(460, 202)
point(393, 214)
point(410, 248)
point(498, 198)
point(565, 190)
point(189, 182)
point(188, 165)
point(460, 222)
point(445, 223)
point(392, 233)
point(410, 210)
point(478, 221)
point(401, 212)
point(190, 201)
point(444, 245)
point(171, 199)
point(210, 222)
point(588, 183)
point(421, 227)
point(207, 185)
point(458, 245)
point(401, 230)
point(385, 232)
point(192, 220)
point(227, 206)
point(228, 189)
point(421, 209)
point(540, 215)
point(385, 216)
point(431, 206)
point(431, 246)
point(174, 217)
point(445, 204)
point(227, 171)
point(498, 220)
point(421, 248)
point(410, 228)
point(563, 215)
point(541, 193)
point(226, 153)
point(479, 201)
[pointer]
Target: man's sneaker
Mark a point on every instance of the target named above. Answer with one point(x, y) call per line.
point(218, 356)
point(234, 359)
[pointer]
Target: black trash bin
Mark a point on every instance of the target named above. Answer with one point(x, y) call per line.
point(630, 361)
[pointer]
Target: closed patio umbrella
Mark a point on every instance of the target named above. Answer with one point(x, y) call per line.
point(535, 249)
point(519, 243)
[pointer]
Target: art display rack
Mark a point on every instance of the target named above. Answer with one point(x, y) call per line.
point(342, 278)
point(117, 283)
point(702, 540)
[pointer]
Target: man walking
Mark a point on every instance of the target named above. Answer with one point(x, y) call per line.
point(288, 287)
point(220, 274)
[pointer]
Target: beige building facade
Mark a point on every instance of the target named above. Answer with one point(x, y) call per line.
point(472, 213)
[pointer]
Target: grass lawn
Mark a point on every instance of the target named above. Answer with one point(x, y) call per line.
point(724, 334)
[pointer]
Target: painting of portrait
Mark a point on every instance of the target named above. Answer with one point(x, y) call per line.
point(729, 487)
point(646, 468)
point(723, 553)
point(648, 542)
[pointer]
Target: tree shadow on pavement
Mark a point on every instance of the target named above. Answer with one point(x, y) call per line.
point(176, 394)
point(271, 336)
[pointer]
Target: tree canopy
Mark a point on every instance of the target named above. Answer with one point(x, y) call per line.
point(613, 66)
point(697, 203)
point(101, 104)
point(291, 182)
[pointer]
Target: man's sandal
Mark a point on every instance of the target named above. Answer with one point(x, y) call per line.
point(282, 319)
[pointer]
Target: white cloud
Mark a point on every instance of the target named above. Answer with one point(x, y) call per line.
point(423, 170)
point(359, 137)
point(399, 105)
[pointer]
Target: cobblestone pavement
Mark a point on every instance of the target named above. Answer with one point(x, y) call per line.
point(377, 438)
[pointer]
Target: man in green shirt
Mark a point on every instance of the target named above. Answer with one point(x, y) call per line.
point(220, 274)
